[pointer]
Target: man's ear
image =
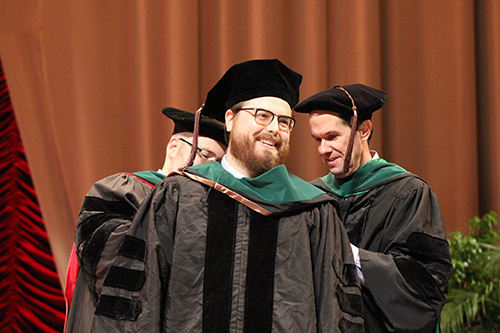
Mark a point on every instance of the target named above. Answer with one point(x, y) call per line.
point(365, 129)
point(172, 147)
point(230, 114)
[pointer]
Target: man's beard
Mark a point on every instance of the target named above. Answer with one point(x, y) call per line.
point(243, 149)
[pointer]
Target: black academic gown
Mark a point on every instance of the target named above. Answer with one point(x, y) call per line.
point(394, 218)
point(107, 210)
point(207, 252)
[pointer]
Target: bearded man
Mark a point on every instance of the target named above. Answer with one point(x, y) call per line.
point(241, 245)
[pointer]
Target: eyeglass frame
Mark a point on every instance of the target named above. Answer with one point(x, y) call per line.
point(256, 110)
point(201, 152)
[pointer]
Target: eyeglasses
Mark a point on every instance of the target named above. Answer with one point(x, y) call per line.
point(204, 154)
point(265, 117)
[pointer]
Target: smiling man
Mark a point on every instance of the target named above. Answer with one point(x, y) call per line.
point(392, 217)
point(263, 144)
point(241, 245)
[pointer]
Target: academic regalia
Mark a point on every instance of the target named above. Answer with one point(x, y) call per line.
point(107, 211)
point(393, 216)
point(208, 252)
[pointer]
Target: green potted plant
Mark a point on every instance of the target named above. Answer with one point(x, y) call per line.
point(473, 301)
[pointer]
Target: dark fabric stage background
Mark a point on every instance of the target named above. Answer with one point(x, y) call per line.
point(88, 79)
point(31, 298)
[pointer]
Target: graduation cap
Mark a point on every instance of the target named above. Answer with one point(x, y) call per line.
point(252, 79)
point(351, 102)
point(344, 99)
point(184, 122)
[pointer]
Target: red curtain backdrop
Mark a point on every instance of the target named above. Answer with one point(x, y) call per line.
point(31, 298)
point(88, 80)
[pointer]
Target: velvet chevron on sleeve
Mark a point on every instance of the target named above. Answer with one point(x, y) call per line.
point(105, 216)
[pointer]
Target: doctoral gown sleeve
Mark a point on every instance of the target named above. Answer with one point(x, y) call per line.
point(407, 277)
point(132, 298)
point(105, 216)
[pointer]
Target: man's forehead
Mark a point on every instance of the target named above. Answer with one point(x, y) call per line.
point(211, 146)
point(324, 113)
point(274, 104)
point(326, 120)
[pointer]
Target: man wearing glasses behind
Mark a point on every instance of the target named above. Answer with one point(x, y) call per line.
point(241, 245)
point(111, 203)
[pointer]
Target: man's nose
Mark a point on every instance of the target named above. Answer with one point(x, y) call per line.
point(324, 148)
point(273, 126)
